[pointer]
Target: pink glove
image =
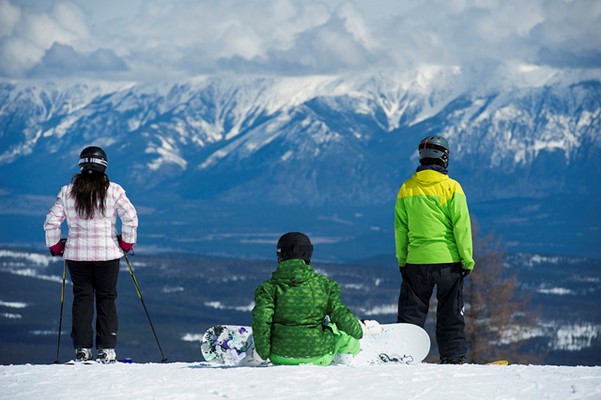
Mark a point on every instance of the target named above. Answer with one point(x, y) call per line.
point(58, 249)
point(126, 247)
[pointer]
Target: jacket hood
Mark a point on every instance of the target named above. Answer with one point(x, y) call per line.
point(293, 272)
point(429, 177)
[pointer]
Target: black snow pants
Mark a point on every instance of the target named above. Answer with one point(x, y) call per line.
point(414, 300)
point(94, 279)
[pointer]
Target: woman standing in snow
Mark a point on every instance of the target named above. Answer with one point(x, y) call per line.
point(90, 204)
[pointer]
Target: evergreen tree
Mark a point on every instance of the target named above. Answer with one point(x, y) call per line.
point(497, 314)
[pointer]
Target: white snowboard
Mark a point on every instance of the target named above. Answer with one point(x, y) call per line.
point(397, 343)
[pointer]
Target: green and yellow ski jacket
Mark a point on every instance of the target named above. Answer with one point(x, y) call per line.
point(432, 222)
point(288, 317)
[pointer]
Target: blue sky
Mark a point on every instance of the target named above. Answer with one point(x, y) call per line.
point(176, 39)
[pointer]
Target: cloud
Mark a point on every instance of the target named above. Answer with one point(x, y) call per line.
point(337, 45)
point(28, 34)
point(62, 60)
point(197, 36)
point(462, 32)
point(9, 17)
point(340, 43)
point(178, 38)
point(570, 35)
point(569, 59)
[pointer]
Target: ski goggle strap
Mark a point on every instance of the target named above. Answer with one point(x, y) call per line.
point(92, 160)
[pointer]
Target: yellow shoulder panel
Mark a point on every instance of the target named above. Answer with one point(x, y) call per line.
point(443, 190)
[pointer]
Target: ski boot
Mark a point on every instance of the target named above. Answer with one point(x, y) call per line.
point(83, 354)
point(452, 360)
point(106, 356)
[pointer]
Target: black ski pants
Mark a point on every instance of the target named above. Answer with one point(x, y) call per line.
point(414, 301)
point(94, 279)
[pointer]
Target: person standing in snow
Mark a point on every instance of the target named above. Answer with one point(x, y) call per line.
point(298, 316)
point(90, 204)
point(434, 248)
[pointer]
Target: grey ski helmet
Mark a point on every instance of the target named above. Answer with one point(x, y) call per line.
point(294, 245)
point(434, 149)
point(93, 158)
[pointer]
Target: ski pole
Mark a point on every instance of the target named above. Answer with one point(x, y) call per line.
point(60, 321)
point(133, 277)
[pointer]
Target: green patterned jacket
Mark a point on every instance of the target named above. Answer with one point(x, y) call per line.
point(290, 309)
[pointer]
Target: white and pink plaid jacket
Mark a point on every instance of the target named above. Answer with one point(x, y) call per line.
point(92, 239)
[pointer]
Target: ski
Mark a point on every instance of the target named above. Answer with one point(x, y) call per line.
point(92, 362)
point(87, 362)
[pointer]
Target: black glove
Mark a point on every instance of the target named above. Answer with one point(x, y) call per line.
point(403, 272)
point(465, 272)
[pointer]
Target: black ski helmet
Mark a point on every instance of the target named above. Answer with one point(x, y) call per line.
point(434, 149)
point(294, 245)
point(93, 158)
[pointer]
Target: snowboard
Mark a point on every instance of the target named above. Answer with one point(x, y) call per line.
point(227, 344)
point(396, 343)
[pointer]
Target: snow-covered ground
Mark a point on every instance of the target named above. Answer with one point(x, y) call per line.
point(201, 381)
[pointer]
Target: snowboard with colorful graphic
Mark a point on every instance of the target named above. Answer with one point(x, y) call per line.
point(393, 343)
point(227, 345)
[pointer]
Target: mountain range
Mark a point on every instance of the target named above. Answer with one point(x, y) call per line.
point(220, 164)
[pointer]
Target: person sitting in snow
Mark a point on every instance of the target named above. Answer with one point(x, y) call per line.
point(298, 316)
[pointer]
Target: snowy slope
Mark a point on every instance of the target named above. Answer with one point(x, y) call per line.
point(200, 381)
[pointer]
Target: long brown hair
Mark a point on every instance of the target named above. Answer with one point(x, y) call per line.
point(89, 191)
